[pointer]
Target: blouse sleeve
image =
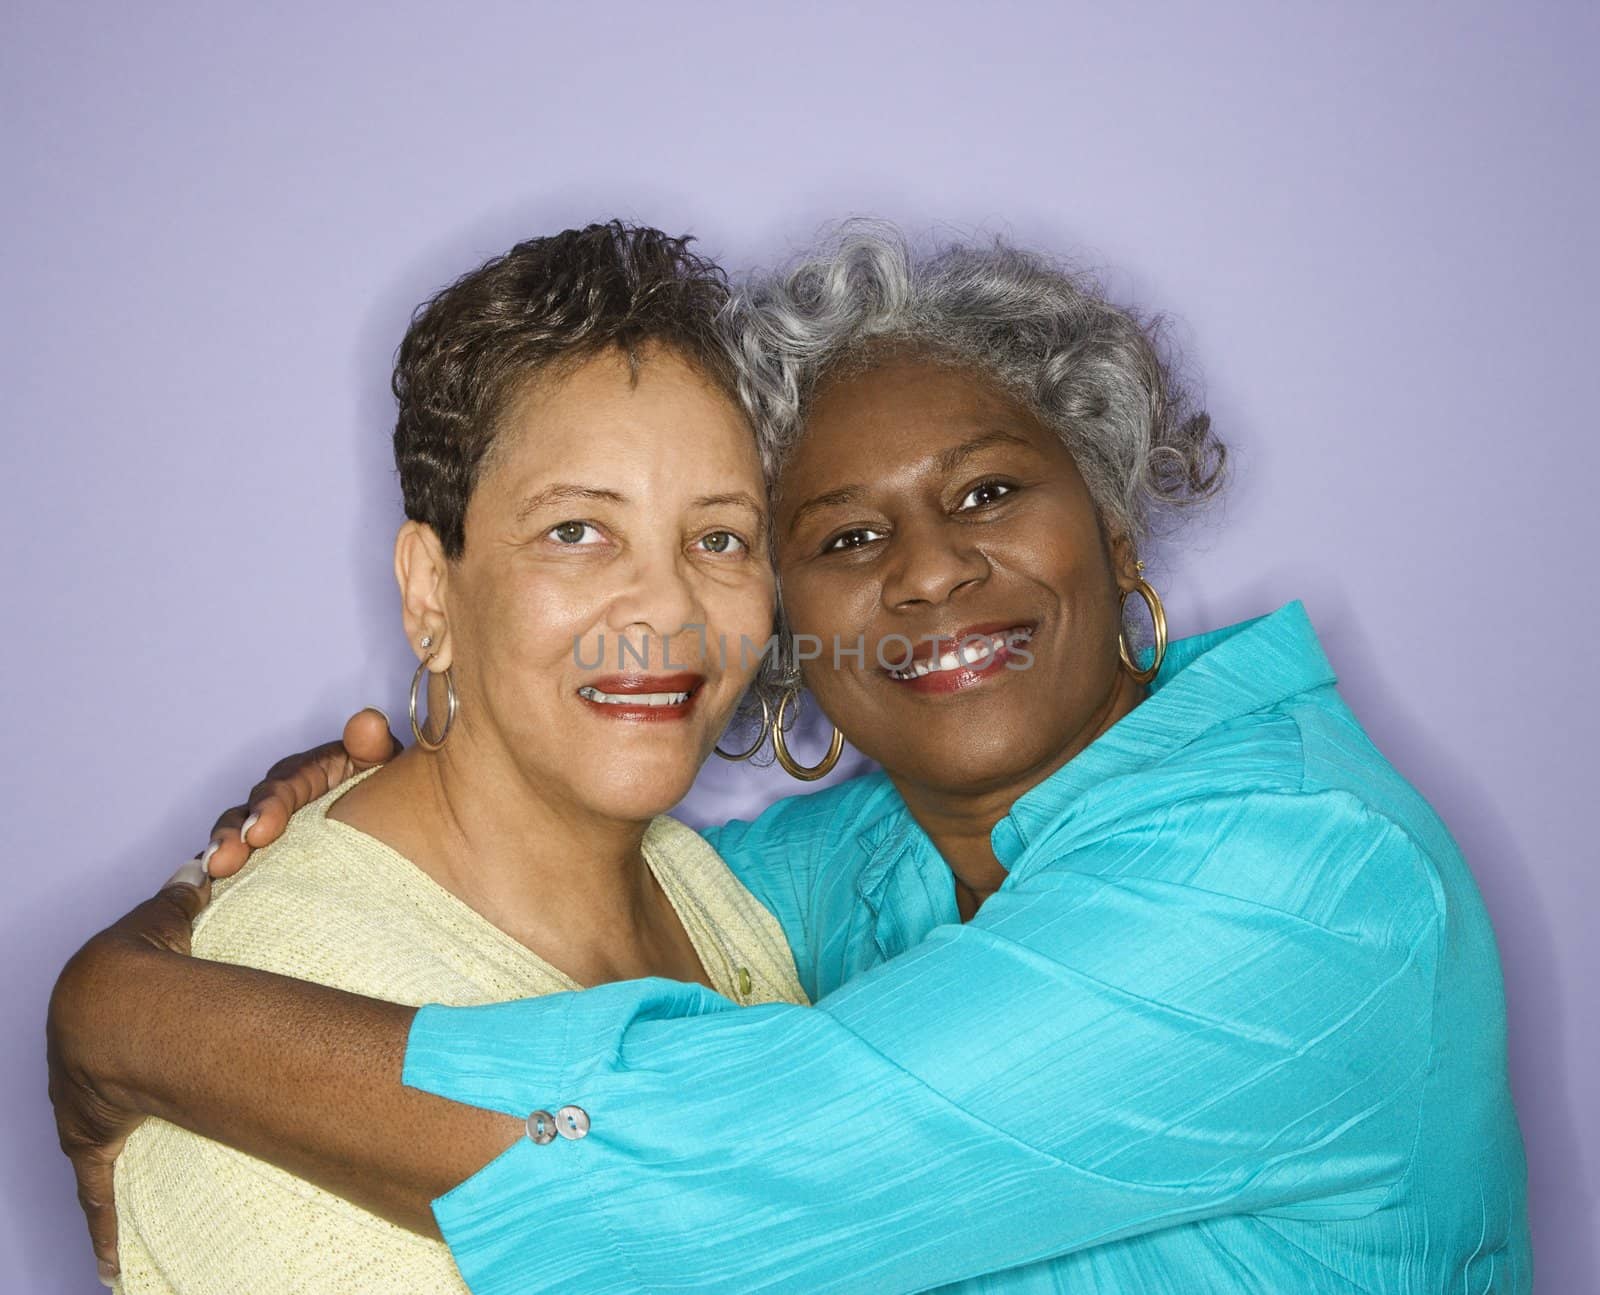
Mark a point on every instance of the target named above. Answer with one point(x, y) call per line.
point(1097, 1053)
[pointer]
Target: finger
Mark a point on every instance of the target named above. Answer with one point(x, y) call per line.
point(272, 803)
point(95, 1169)
point(229, 819)
point(227, 853)
point(295, 782)
point(368, 739)
point(191, 873)
point(305, 773)
point(189, 889)
point(326, 754)
point(289, 786)
point(167, 919)
point(328, 767)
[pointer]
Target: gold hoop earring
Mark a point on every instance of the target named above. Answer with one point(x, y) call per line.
point(793, 767)
point(1158, 619)
point(450, 710)
point(761, 737)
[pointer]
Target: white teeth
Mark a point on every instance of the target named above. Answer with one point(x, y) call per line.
point(973, 652)
point(634, 698)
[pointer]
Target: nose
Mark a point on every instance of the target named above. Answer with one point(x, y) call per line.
point(654, 609)
point(930, 563)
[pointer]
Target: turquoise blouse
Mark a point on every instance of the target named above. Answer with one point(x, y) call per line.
point(1234, 1022)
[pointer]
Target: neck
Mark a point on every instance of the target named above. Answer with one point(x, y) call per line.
point(959, 819)
point(565, 881)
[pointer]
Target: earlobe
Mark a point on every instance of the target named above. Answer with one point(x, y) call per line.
point(1125, 564)
point(421, 570)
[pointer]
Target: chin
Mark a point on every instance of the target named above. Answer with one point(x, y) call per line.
point(638, 793)
point(967, 759)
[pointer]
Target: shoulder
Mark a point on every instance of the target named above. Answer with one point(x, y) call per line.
point(324, 902)
point(296, 867)
point(805, 847)
point(735, 917)
point(1295, 850)
point(796, 838)
point(693, 859)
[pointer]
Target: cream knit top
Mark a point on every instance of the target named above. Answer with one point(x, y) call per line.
point(328, 903)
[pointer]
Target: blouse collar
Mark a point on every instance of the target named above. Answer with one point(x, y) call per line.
point(1205, 680)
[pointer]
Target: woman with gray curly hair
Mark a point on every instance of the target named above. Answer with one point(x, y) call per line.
point(1134, 969)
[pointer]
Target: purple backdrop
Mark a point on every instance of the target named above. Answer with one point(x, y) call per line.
point(1368, 222)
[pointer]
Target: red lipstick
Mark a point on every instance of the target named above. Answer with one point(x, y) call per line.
point(955, 662)
point(642, 698)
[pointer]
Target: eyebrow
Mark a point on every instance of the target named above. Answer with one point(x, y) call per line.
point(561, 492)
point(738, 498)
point(948, 461)
point(827, 499)
point(956, 455)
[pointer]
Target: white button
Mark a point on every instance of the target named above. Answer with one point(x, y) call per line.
point(572, 1122)
point(542, 1127)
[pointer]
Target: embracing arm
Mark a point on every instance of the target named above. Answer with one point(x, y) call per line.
point(295, 1073)
point(1095, 1055)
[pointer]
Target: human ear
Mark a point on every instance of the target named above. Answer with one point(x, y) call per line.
point(422, 571)
point(1124, 559)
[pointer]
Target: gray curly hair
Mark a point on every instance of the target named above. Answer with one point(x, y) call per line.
point(1091, 371)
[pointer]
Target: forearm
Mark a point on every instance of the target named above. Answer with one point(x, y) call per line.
point(297, 1074)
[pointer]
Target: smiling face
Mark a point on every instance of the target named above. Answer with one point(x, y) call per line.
point(612, 515)
point(925, 506)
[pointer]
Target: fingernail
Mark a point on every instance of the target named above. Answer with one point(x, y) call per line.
point(108, 1274)
point(387, 722)
point(244, 832)
point(192, 873)
point(205, 856)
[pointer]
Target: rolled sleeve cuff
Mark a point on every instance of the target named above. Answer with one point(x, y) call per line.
point(530, 1220)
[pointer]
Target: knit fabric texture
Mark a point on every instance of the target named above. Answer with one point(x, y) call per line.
point(329, 903)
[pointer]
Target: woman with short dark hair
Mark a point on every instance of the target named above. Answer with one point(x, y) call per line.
point(577, 475)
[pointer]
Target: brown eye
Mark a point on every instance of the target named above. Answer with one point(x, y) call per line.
point(858, 538)
point(986, 493)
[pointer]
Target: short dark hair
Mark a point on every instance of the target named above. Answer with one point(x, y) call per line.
point(546, 304)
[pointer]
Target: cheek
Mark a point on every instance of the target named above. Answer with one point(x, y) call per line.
point(836, 691)
point(1064, 554)
point(739, 621)
point(523, 622)
point(826, 604)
